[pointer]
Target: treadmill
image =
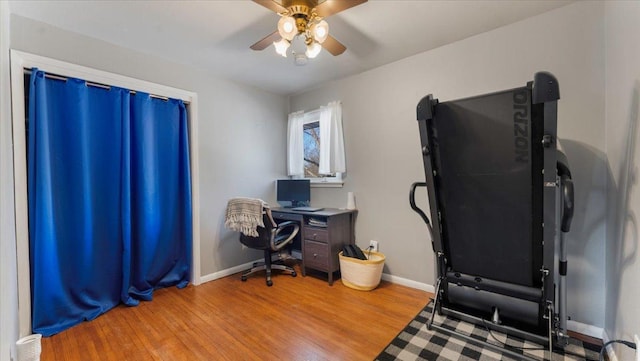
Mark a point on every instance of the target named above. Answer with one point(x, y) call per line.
point(500, 195)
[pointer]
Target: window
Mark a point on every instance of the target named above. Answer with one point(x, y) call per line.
point(316, 146)
point(311, 141)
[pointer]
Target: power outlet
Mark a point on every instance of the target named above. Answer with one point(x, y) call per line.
point(373, 245)
point(636, 339)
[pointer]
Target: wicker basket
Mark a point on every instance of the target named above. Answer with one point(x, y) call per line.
point(363, 275)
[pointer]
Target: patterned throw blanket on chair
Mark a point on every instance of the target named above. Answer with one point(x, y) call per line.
point(245, 215)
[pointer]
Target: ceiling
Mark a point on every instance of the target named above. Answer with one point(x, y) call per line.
point(216, 35)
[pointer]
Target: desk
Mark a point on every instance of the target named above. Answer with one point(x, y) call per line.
point(322, 234)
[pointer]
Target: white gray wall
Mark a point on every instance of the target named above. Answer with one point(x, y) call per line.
point(383, 146)
point(622, 312)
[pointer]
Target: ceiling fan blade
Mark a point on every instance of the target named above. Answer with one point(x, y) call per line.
point(333, 46)
point(271, 5)
point(268, 40)
point(330, 7)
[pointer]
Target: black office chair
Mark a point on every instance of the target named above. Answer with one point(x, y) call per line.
point(271, 238)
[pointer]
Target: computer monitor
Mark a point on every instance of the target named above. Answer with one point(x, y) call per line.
point(295, 191)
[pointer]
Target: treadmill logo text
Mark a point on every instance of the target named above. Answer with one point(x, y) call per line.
point(521, 125)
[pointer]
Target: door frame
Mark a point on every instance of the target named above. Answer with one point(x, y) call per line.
point(21, 61)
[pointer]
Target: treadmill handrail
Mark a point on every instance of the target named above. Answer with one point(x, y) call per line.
point(567, 203)
point(412, 202)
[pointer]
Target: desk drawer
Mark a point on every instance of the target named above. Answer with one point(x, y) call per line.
point(316, 255)
point(283, 216)
point(316, 234)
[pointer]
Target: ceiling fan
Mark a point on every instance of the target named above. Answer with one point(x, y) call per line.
point(304, 18)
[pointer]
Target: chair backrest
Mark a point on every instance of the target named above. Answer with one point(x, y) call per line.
point(263, 240)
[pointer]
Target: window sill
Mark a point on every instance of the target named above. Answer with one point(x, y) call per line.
point(327, 184)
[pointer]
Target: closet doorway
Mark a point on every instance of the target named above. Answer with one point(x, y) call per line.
point(21, 65)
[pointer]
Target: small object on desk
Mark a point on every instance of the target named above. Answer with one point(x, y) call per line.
point(351, 201)
point(306, 209)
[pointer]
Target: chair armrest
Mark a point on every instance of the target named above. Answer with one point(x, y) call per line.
point(276, 240)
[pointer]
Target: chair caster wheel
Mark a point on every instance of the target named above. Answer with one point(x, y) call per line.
point(269, 283)
point(293, 274)
point(244, 278)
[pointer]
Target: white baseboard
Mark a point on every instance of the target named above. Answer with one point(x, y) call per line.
point(387, 277)
point(611, 353)
point(409, 283)
point(226, 272)
point(585, 329)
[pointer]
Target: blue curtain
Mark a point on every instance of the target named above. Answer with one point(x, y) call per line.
point(109, 199)
point(160, 182)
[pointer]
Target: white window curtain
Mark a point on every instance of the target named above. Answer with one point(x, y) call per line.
point(332, 158)
point(295, 146)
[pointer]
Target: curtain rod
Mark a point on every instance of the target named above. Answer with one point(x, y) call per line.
point(308, 111)
point(316, 109)
point(97, 85)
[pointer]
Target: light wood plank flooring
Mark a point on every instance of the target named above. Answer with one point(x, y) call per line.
point(301, 318)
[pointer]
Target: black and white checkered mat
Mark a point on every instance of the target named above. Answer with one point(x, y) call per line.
point(415, 342)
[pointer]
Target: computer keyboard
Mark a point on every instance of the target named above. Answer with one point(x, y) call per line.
point(306, 209)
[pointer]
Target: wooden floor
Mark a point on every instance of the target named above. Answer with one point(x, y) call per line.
point(301, 318)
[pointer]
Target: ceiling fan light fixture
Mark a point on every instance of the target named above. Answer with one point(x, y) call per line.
point(282, 46)
point(287, 27)
point(305, 20)
point(313, 49)
point(300, 59)
point(320, 31)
